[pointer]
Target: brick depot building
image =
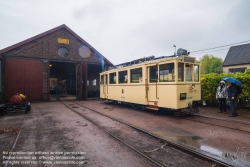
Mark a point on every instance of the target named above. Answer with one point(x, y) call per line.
point(34, 66)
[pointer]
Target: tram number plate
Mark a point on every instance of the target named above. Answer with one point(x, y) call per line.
point(183, 96)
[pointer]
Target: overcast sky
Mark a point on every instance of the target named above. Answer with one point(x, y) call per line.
point(124, 30)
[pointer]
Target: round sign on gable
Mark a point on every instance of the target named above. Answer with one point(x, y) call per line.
point(84, 51)
point(63, 52)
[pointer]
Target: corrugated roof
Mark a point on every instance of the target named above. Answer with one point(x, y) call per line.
point(48, 32)
point(238, 55)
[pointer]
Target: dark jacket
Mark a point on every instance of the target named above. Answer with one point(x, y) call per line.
point(58, 89)
point(232, 91)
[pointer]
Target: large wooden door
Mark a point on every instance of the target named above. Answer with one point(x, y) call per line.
point(25, 77)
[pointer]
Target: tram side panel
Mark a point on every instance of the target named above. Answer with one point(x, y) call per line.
point(132, 93)
point(186, 94)
point(168, 97)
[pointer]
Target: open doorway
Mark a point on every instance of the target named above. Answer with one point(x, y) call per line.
point(63, 73)
point(93, 80)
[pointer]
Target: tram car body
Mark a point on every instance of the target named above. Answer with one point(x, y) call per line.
point(167, 82)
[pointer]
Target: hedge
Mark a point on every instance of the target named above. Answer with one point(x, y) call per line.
point(210, 82)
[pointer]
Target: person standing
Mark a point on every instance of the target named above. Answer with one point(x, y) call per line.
point(58, 91)
point(232, 95)
point(221, 96)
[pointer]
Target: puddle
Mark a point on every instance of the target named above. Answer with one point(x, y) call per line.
point(189, 140)
point(235, 158)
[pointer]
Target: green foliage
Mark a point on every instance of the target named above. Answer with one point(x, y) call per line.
point(247, 71)
point(216, 66)
point(210, 82)
point(135, 81)
point(210, 64)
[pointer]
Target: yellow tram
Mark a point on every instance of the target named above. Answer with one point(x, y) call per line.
point(167, 82)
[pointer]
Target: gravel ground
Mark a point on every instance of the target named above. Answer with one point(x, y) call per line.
point(221, 142)
point(51, 127)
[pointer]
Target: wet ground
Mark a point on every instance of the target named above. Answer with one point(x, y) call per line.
point(51, 130)
point(154, 148)
point(214, 137)
point(52, 127)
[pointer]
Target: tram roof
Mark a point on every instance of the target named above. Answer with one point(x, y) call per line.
point(150, 60)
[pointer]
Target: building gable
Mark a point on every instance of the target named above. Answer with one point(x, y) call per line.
point(46, 46)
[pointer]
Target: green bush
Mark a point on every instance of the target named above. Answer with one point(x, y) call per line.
point(210, 82)
point(247, 71)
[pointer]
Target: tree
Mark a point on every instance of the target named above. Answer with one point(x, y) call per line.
point(216, 65)
point(210, 64)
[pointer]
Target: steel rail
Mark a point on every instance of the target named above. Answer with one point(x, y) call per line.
point(117, 138)
point(218, 125)
point(222, 119)
point(14, 145)
point(172, 144)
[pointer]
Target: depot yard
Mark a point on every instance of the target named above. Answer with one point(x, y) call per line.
point(54, 129)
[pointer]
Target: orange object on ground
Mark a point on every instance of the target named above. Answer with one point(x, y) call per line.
point(16, 99)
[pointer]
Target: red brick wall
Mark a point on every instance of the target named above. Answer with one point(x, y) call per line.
point(47, 46)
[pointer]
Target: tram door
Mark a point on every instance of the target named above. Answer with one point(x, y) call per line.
point(152, 87)
point(104, 86)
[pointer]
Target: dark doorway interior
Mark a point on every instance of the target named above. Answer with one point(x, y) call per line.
point(93, 80)
point(64, 74)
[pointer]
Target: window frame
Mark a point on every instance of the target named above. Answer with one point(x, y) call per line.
point(233, 70)
point(191, 72)
point(139, 72)
point(125, 81)
point(198, 73)
point(157, 74)
point(182, 72)
point(170, 71)
point(115, 80)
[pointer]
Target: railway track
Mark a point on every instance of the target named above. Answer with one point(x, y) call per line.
point(116, 137)
point(14, 144)
point(178, 147)
point(239, 128)
point(222, 119)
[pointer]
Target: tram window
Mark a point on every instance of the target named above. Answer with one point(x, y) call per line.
point(136, 75)
point(102, 80)
point(106, 78)
point(153, 71)
point(123, 76)
point(112, 78)
point(189, 73)
point(180, 72)
point(167, 72)
point(196, 73)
